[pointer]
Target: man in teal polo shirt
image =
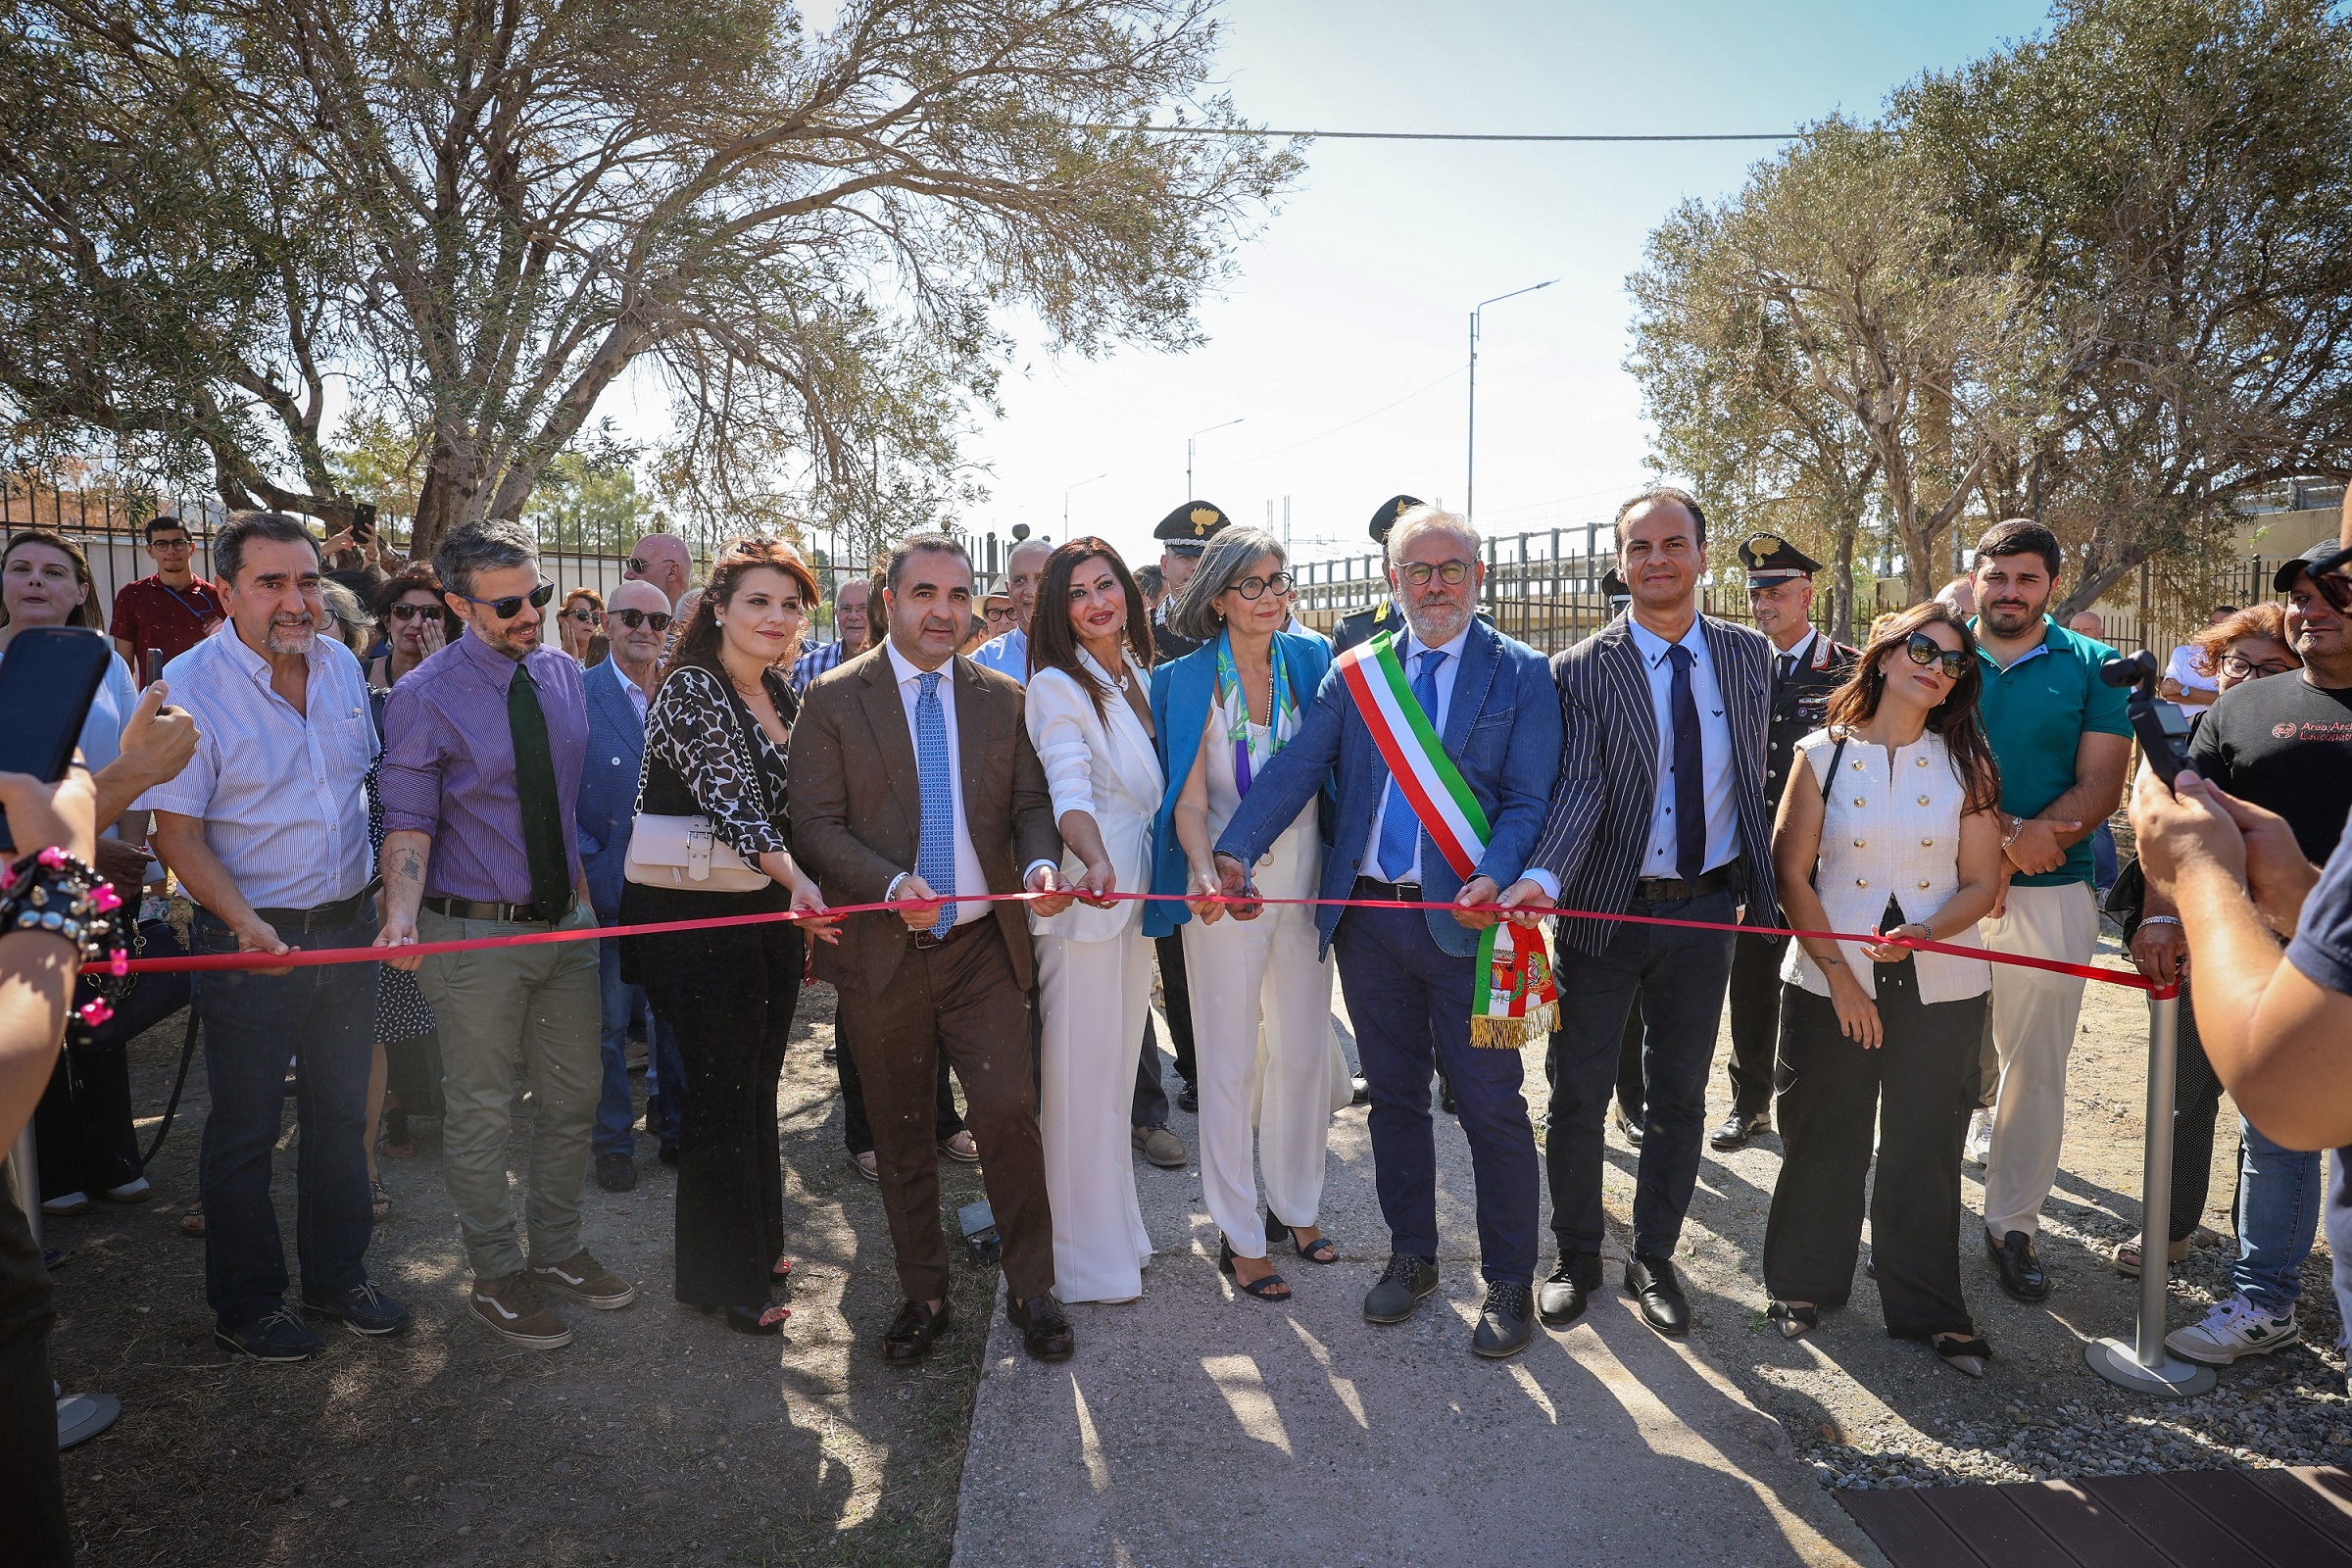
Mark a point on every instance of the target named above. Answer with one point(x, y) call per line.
point(2063, 743)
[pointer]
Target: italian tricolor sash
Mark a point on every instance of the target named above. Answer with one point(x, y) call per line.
point(1516, 998)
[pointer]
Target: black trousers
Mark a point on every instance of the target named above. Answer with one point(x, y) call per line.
point(857, 1133)
point(83, 1124)
point(729, 992)
point(2196, 1102)
point(32, 1485)
point(1629, 1094)
point(1915, 1090)
point(1179, 992)
point(1755, 1020)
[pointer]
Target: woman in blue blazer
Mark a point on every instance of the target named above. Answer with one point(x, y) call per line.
point(1220, 714)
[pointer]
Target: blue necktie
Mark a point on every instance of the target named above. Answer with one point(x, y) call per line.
point(935, 851)
point(1689, 772)
point(1399, 828)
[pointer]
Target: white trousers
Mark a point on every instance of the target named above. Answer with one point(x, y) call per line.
point(1092, 998)
point(1243, 973)
point(2034, 1018)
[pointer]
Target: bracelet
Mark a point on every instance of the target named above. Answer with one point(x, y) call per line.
point(2147, 920)
point(2017, 826)
point(54, 893)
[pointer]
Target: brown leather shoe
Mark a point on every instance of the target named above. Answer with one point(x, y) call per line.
point(909, 1335)
point(1046, 1330)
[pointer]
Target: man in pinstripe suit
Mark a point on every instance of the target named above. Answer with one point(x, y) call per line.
point(1659, 811)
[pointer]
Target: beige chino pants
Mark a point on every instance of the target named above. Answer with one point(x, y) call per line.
point(2034, 1019)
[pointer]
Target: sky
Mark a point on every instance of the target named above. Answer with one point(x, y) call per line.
point(1340, 339)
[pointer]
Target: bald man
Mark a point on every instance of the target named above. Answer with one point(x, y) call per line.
point(1024, 569)
point(662, 560)
point(637, 621)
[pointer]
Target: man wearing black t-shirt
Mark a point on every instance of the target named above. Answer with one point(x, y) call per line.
point(2286, 745)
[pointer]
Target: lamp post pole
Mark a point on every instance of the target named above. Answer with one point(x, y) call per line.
point(1470, 474)
point(1188, 453)
point(1065, 502)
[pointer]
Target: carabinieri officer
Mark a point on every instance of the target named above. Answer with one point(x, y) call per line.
point(1182, 535)
point(1383, 616)
point(1806, 667)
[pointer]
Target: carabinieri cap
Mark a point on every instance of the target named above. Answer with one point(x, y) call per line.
point(1771, 558)
point(1390, 510)
point(1187, 529)
point(1619, 593)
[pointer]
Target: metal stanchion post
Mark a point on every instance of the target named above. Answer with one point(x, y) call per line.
point(2145, 1364)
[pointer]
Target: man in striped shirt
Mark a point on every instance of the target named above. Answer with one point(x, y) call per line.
point(849, 618)
point(266, 828)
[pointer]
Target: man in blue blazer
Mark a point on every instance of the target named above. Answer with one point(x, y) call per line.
point(618, 691)
point(1410, 974)
point(1665, 715)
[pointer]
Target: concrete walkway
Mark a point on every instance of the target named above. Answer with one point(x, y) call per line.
point(1198, 1426)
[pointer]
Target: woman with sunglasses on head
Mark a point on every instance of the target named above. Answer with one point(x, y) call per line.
point(716, 748)
point(1223, 711)
point(1892, 826)
point(1089, 714)
point(2246, 644)
point(581, 625)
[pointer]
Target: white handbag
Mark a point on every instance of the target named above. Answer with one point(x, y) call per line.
point(682, 852)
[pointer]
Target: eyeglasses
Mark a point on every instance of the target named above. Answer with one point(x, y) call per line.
point(1447, 572)
point(996, 616)
point(634, 618)
point(584, 616)
point(2333, 577)
point(1256, 587)
point(509, 607)
point(1926, 650)
point(2237, 666)
point(406, 610)
point(170, 544)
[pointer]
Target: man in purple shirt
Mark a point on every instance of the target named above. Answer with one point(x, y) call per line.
point(483, 745)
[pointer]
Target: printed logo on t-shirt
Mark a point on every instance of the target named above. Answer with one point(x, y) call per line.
point(2282, 732)
point(2335, 731)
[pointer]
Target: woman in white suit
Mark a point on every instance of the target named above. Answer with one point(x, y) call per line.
point(1090, 719)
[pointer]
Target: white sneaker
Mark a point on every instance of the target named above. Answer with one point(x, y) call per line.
point(1978, 1151)
point(67, 1203)
point(2234, 1328)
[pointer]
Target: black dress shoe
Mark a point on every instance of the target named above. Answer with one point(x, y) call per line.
point(616, 1173)
point(1628, 1127)
point(1505, 1322)
point(1650, 1282)
point(2020, 1270)
point(1563, 1297)
point(909, 1335)
point(1401, 1287)
point(1188, 1100)
point(1046, 1331)
point(1446, 1096)
point(1737, 1129)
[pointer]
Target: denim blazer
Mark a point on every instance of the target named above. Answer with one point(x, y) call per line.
point(609, 781)
point(1182, 693)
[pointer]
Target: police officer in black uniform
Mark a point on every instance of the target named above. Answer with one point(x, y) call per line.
point(1361, 626)
point(1182, 535)
point(1806, 667)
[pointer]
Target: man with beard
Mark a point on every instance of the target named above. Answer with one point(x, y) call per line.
point(483, 746)
point(267, 827)
point(2063, 742)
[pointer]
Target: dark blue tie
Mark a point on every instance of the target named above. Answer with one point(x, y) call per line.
point(1689, 772)
point(1399, 828)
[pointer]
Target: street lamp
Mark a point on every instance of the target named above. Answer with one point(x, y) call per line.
point(1065, 502)
point(1470, 476)
point(1188, 453)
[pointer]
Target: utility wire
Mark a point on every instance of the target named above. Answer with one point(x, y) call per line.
point(1444, 135)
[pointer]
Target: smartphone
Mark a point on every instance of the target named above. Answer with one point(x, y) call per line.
point(362, 523)
point(153, 663)
point(46, 685)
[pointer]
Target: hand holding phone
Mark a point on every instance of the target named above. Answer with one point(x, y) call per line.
point(46, 686)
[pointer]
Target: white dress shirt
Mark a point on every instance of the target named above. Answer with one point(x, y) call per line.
point(1800, 652)
point(969, 877)
point(2182, 668)
point(1409, 648)
point(1664, 855)
point(281, 794)
point(1006, 655)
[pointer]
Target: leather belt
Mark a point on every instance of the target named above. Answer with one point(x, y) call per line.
point(509, 913)
point(1669, 889)
point(1367, 886)
point(925, 941)
point(326, 917)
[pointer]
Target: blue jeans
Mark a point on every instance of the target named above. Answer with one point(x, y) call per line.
point(1681, 977)
point(1411, 1003)
point(2279, 1198)
point(322, 1019)
point(625, 1006)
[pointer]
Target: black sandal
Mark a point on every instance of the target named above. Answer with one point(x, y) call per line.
point(781, 1274)
point(766, 1318)
point(1319, 1250)
point(1794, 1321)
point(1265, 1289)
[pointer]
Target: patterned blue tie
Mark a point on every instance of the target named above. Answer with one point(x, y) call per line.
point(935, 851)
point(1399, 828)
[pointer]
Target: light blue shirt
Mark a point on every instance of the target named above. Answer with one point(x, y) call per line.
point(1008, 655)
point(1664, 855)
point(1409, 649)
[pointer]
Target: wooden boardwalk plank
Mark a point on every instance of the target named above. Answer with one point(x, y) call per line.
point(1989, 1520)
point(2321, 1499)
point(2176, 1529)
point(2268, 1526)
point(1909, 1531)
point(2086, 1528)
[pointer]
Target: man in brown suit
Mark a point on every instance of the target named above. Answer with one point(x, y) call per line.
point(913, 778)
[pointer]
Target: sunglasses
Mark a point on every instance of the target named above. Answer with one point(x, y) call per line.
point(2333, 577)
point(1926, 650)
point(509, 607)
point(1256, 587)
point(584, 616)
point(410, 611)
point(634, 618)
point(640, 567)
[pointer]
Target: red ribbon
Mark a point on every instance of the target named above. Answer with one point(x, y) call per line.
point(299, 959)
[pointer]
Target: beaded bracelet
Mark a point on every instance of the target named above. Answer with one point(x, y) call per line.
point(54, 892)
